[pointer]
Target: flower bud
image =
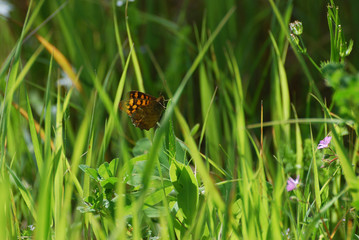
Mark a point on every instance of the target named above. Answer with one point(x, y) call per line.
point(296, 27)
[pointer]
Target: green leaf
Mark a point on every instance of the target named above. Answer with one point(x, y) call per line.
point(104, 170)
point(188, 196)
point(109, 183)
point(186, 185)
point(175, 173)
point(142, 147)
point(92, 173)
point(113, 166)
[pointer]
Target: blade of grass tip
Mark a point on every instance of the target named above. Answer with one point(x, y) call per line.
point(283, 89)
point(261, 168)
point(31, 18)
point(62, 61)
point(318, 200)
point(35, 140)
point(117, 34)
point(213, 164)
point(136, 65)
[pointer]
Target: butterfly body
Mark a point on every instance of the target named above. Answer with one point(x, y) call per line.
point(143, 109)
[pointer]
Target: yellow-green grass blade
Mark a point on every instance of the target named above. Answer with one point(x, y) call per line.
point(117, 34)
point(318, 200)
point(134, 58)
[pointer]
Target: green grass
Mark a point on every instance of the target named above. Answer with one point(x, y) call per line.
point(247, 106)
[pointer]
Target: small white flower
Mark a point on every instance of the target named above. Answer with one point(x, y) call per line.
point(5, 8)
point(65, 81)
point(119, 3)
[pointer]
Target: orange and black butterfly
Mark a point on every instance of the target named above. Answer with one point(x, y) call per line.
point(144, 110)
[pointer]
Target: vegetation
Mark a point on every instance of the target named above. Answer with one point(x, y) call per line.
point(258, 139)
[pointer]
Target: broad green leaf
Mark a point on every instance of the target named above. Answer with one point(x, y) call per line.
point(92, 173)
point(109, 183)
point(104, 170)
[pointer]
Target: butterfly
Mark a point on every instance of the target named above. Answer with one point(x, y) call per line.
point(144, 110)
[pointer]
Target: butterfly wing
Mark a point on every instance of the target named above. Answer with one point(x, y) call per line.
point(143, 109)
point(147, 117)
